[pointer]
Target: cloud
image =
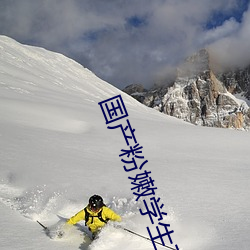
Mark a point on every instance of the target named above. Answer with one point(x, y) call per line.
point(228, 28)
point(233, 49)
point(126, 42)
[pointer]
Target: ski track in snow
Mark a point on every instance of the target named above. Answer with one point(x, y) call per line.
point(39, 204)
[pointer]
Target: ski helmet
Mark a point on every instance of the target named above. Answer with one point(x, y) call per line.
point(95, 202)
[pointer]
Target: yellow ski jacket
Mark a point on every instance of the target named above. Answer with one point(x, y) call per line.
point(94, 223)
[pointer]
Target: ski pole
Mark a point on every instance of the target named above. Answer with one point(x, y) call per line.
point(146, 238)
point(45, 228)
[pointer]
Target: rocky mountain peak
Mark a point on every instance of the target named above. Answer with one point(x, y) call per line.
point(200, 96)
point(196, 64)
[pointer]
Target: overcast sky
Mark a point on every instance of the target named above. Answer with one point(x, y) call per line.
point(131, 41)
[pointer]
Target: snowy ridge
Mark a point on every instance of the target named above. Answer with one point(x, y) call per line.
point(56, 151)
point(41, 94)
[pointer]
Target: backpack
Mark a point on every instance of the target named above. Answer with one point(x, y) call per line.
point(99, 216)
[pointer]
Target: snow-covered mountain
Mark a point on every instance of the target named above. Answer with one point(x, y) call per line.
point(201, 95)
point(56, 151)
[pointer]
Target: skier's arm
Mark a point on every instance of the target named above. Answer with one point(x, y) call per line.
point(77, 217)
point(110, 214)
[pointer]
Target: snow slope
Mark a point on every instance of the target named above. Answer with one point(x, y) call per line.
point(56, 151)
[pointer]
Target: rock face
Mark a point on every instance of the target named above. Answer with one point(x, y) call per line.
point(237, 81)
point(201, 97)
point(137, 91)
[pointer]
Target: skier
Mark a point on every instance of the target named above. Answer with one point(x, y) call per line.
point(95, 214)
